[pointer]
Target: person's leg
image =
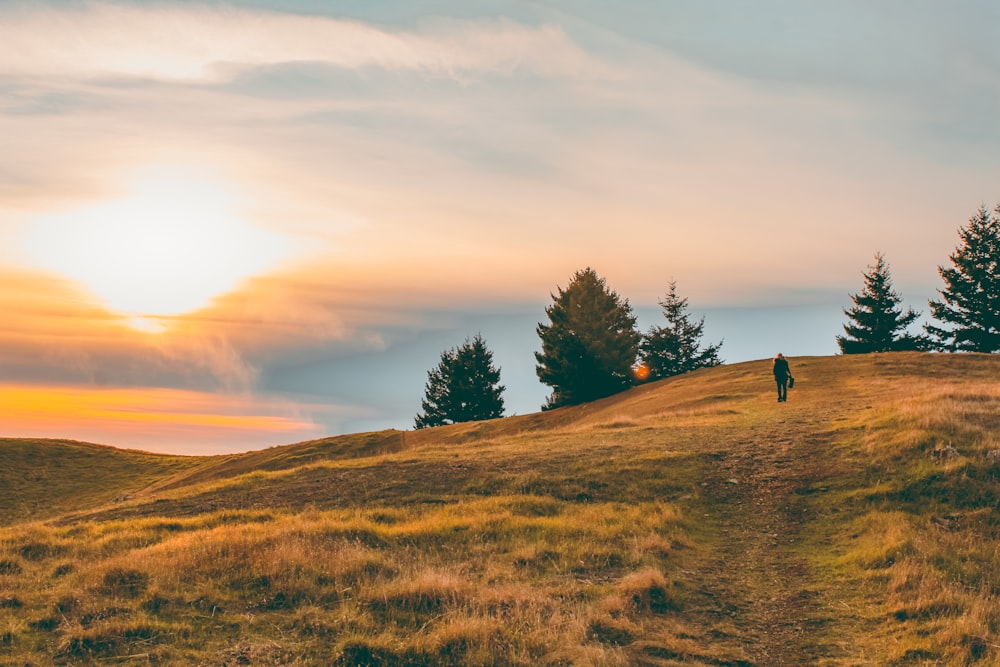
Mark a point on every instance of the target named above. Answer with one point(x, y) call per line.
point(781, 389)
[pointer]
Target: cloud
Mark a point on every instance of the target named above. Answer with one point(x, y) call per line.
point(924, 76)
point(203, 43)
point(409, 164)
point(55, 332)
point(70, 368)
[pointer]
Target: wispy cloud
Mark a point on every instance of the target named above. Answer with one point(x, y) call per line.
point(203, 43)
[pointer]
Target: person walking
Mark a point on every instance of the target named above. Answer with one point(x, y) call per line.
point(782, 374)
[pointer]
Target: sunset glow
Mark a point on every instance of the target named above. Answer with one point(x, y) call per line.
point(155, 419)
point(167, 247)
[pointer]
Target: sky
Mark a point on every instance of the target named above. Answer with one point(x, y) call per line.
point(232, 225)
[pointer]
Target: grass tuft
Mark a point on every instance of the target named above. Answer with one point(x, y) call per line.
point(648, 590)
point(124, 583)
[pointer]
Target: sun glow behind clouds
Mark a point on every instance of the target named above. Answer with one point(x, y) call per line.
point(167, 248)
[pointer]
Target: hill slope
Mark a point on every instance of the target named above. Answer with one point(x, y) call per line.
point(692, 521)
point(44, 478)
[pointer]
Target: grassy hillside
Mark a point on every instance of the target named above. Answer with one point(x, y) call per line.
point(693, 521)
point(44, 478)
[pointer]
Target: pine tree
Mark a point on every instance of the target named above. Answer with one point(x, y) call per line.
point(877, 324)
point(463, 387)
point(590, 345)
point(970, 301)
point(674, 349)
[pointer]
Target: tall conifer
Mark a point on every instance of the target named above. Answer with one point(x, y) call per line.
point(675, 348)
point(877, 324)
point(590, 343)
point(970, 301)
point(465, 386)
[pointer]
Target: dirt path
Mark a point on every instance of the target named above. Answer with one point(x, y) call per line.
point(756, 592)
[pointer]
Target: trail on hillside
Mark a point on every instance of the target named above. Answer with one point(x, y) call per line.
point(755, 591)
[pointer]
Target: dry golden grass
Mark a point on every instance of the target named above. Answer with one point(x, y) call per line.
point(689, 521)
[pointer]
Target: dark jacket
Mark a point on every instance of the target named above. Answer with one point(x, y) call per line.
point(781, 368)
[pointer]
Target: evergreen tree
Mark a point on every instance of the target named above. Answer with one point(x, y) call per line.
point(877, 324)
point(970, 301)
point(674, 349)
point(463, 387)
point(590, 345)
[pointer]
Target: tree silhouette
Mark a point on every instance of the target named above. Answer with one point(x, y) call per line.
point(876, 322)
point(970, 301)
point(590, 344)
point(463, 387)
point(674, 348)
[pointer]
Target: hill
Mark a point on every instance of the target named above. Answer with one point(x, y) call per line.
point(692, 521)
point(44, 478)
